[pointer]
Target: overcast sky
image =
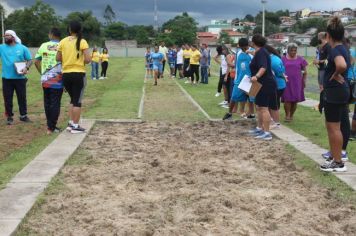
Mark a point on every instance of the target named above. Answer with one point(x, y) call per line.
point(141, 11)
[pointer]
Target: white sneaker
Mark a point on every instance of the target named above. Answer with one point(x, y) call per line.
point(267, 136)
point(217, 94)
point(101, 78)
point(275, 126)
point(223, 103)
point(225, 106)
point(187, 82)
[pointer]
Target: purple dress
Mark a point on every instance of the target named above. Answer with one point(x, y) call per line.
point(294, 91)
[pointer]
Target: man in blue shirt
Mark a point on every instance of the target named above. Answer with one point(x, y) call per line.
point(14, 79)
point(204, 63)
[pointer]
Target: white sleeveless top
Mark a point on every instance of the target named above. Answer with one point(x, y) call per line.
point(223, 65)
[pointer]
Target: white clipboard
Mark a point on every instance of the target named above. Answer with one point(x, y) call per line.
point(20, 66)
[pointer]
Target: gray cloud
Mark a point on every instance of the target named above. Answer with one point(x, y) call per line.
point(141, 11)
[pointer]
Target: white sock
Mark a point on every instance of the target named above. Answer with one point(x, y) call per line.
point(75, 126)
point(71, 122)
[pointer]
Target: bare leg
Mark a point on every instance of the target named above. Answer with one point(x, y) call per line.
point(287, 109)
point(335, 139)
point(293, 109)
point(76, 114)
point(266, 118)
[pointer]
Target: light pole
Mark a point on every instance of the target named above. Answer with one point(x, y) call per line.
point(263, 16)
point(2, 25)
point(155, 15)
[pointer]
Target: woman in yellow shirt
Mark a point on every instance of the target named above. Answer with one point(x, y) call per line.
point(104, 58)
point(73, 52)
point(95, 58)
point(194, 64)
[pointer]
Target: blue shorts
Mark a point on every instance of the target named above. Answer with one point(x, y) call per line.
point(149, 66)
point(240, 96)
point(172, 65)
point(158, 67)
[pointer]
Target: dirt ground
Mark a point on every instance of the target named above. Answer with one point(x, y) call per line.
point(187, 179)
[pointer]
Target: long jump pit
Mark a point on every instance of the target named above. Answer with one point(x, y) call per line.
point(207, 178)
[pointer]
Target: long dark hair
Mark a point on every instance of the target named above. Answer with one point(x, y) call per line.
point(272, 50)
point(76, 28)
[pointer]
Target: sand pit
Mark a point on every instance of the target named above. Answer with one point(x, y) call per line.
point(187, 179)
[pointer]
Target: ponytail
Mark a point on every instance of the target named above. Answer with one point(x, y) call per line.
point(79, 39)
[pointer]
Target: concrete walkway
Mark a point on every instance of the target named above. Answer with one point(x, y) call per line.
point(21, 193)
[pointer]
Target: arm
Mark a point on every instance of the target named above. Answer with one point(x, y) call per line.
point(87, 57)
point(230, 61)
point(217, 59)
point(341, 67)
point(59, 56)
point(304, 70)
point(38, 65)
point(259, 74)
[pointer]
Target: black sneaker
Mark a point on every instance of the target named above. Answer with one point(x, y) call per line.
point(9, 120)
point(25, 119)
point(56, 130)
point(333, 166)
point(77, 130)
point(252, 116)
point(227, 116)
point(69, 127)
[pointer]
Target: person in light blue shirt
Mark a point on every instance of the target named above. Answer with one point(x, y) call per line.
point(157, 59)
point(14, 79)
point(278, 70)
point(242, 66)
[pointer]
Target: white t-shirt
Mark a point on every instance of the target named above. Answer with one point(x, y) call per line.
point(180, 57)
point(164, 51)
point(223, 65)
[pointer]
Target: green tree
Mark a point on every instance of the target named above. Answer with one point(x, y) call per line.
point(32, 24)
point(116, 31)
point(109, 15)
point(225, 38)
point(249, 18)
point(90, 25)
point(181, 29)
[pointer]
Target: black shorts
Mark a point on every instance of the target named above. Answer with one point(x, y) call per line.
point(334, 112)
point(269, 100)
point(74, 83)
point(179, 66)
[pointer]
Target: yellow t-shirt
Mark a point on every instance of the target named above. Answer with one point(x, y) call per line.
point(95, 57)
point(104, 57)
point(195, 57)
point(70, 62)
point(186, 53)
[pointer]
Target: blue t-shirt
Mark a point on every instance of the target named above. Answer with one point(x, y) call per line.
point(148, 56)
point(11, 54)
point(172, 56)
point(242, 66)
point(278, 70)
point(157, 57)
point(351, 73)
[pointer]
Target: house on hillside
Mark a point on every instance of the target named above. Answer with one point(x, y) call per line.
point(303, 39)
point(281, 38)
point(234, 35)
point(351, 30)
point(207, 38)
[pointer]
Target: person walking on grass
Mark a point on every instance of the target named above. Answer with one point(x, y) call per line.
point(13, 77)
point(104, 58)
point(73, 52)
point(164, 50)
point(194, 64)
point(243, 60)
point(95, 58)
point(148, 64)
point(336, 95)
point(157, 58)
point(186, 55)
point(266, 98)
point(296, 71)
point(172, 60)
point(51, 79)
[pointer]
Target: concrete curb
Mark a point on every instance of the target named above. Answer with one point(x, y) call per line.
point(142, 102)
point(21, 193)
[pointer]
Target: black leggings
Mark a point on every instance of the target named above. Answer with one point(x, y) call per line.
point(194, 69)
point(345, 128)
point(104, 68)
point(221, 81)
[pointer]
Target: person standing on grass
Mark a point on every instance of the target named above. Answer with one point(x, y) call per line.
point(243, 60)
point(296, 71)
point(186, 55)
point(157, 58)
point(172, 59)
point(221, 58)
point(180, 61)
point(104, 58)
point(320, 62)
point(194, 64)
point(279, 75)
point(336, 95)
point(266, 98)
point(51, 79)
point(73, 52)
point(148, 64)
point(352, 76)
point(95, 58)
point(204, 64)
point(12, 79)
point(164, 50)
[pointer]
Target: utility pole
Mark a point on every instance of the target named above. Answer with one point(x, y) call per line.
point(263, 17)
point(2, 25)
point(155, 15)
